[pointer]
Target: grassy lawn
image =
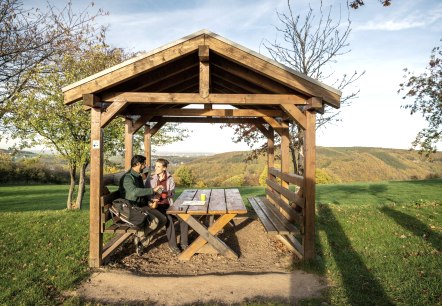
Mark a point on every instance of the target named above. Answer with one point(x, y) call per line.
point(378, 243)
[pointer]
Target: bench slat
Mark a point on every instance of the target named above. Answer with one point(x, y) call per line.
point(271, 215)
point(268, 225)
point(292, 229)
point(290, 212)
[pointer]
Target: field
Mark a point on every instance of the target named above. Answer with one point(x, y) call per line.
point(378, 243)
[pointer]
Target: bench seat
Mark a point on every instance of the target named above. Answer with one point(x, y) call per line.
point(271, 218)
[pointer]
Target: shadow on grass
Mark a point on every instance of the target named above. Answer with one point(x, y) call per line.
point(360, 285)
point(415, 226)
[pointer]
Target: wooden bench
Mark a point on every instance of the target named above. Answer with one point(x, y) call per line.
point(281, 211)
point(121, 229)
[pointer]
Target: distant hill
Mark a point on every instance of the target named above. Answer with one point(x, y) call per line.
point(334, 165)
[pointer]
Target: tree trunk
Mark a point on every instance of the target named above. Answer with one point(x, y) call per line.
point(81, 186)
point(72, 173)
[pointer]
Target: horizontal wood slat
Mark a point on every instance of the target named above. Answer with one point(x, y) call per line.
point(290, 195)
point(268, 225)
point(277, 218)
point(288, 211)
point(290, 178)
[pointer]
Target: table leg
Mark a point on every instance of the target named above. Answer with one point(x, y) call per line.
point(207, 235)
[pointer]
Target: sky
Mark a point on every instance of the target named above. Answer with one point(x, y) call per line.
point(383, 41)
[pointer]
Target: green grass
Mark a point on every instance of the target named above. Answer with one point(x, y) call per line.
point(377, 244)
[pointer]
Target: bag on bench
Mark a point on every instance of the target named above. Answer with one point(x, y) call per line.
point(131, 214)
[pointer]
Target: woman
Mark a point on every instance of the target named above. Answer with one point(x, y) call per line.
point(162, 177)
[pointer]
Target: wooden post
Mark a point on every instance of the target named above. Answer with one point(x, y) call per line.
point(310, 181)
point(96, 237)
point(147, 145)
point(270, 151)
point(203, 53)
point(285, 158)
point(128, 144)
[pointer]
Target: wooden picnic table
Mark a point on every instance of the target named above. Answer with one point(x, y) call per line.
point(221, 204)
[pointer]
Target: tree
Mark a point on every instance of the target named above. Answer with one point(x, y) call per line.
point(30, 38)
point(355, 4)
point(185, 176)
point(426, 90)
point(38, 116)
point(310, 45)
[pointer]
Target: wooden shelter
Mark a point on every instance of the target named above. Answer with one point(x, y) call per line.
point(199, 71)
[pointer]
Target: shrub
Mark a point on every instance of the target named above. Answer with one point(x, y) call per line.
point(185, 176)
point(234, 181)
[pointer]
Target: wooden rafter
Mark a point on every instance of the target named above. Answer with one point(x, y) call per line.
point(186, 98)
point(204, 79)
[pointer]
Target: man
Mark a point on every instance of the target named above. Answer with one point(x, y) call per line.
point(132, 189)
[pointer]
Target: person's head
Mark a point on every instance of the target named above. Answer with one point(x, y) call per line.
point(138, 163)
point(161, 165)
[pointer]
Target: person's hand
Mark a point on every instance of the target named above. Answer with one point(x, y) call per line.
point(154, 203)
point(158, 187)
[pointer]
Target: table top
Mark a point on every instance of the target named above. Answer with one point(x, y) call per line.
point(218, 202)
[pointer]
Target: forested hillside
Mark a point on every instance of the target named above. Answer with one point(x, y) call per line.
point(334, 165)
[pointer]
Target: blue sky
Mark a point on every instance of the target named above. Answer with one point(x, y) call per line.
point(383, 42)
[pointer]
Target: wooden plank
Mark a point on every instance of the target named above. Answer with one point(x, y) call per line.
point(275, 124)
point(216, 112)
point(96, 169)
point(285, 160)
point(200, 241)
point(128, 143)
point(186, 195)
point(309, 192)
point(136, 67)
point(269, 227)
point(287, 210)
point(217, 202)
point(288, 194)
point(295, 114)
point(112, 245)
point(113, 110)
point(288, 177)
point(139, 123)
point(294, 247)
point(270, 151)
point(147, 146)
point(263, 130)
point(157, 127)
point(120, 228)
point(276, 214)
point(235, 204)
point(90, 100)
point(204, 53)
point(200, 209)
point(192, 98)
point(302, 84)
point(207, 120)
point(204, 75)
point(277, 223)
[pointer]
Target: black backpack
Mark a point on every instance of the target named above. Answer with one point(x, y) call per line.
point(129, 213)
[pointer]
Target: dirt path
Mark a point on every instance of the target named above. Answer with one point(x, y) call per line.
point(263, 272)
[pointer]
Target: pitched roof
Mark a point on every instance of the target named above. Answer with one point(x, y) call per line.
point(174, 67)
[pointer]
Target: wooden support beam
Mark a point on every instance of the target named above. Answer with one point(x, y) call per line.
point(128, 143)
point(206, 120)
point(147, 145)
point(285, 158)
point(263, 130)
point(270, 151)
point(204, 79)
point(95, 235)
point(216, 112)
point(203, 53)
point(192, 98)
point(110, 113)
point(310, 185)
point(157, 127)
point(276, 124)
point(90, 100)
point(140, 122)
point(295, 114)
